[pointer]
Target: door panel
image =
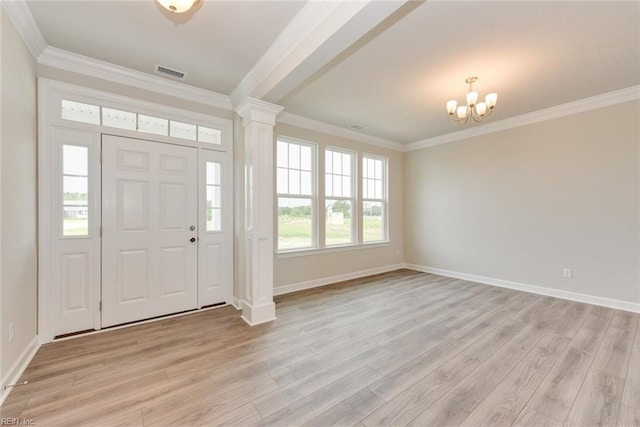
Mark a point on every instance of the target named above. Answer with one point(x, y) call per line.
point(173, 202)
point(75, 275)
point(132, 279)
point(133, 206)
point(173, 274)
point(149, 265)
point(74, 258)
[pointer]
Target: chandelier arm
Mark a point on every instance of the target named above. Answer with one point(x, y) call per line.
point(489, 110)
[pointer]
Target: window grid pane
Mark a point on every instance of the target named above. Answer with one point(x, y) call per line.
point(211, 136)
point(119, 119)
point(283, 154)
point(338, 170)
point(338, 229)
point(213, 173)
point(295, 223)
point(294, 156)
point(79, 112)
point(182, 130)
point(372, 221)
point(214, 197)
point(214, 219)
point(283, 180)
point(294, 173)
point(155, 125)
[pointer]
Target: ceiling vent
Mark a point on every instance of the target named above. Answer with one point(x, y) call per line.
point(169, 72)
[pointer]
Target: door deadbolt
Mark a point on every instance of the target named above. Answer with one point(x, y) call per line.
point(192, 228)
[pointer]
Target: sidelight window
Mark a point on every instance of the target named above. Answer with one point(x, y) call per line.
point(75, 189)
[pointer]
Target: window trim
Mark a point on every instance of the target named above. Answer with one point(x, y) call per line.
point(91, 196)
point(384, 200)
point(319, 200)
point(53, 92)
point(353, 199)
point(139, 117)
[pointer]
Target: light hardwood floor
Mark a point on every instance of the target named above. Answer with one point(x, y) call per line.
point(401, 348)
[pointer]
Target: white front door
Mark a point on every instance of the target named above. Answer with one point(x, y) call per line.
point(149, 229)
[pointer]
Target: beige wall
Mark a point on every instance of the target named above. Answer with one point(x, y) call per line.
point(18, 281)
point(132, 92)
point(291, 271)
point(522, 204)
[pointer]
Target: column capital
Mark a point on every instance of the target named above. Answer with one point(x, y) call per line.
point(255, 110)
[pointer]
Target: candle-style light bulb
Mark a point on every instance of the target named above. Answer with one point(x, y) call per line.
point(472, 98)
point(461, 112)
point(451, 106)
point(491, 100)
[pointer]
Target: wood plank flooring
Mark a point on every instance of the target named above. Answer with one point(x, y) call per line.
point(401, 348)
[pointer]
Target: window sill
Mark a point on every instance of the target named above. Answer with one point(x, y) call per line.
point(344, 248)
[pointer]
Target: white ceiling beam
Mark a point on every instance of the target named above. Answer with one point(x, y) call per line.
point(316, 35)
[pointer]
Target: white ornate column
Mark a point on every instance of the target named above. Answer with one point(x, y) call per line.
point(258, 120)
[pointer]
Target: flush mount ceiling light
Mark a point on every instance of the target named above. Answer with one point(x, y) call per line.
point(178, 6)
point(474, 109)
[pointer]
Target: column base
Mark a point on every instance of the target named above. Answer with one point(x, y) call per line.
point(257, 314)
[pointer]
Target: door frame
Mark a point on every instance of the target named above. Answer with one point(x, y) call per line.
point(50, 125)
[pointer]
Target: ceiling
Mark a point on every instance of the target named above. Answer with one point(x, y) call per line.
point(215, 45)
point(394, 80)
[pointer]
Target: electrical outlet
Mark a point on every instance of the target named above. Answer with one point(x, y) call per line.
point(567, 273)
point(10, 331)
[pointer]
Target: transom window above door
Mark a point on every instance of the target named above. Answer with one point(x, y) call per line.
point(119, 119)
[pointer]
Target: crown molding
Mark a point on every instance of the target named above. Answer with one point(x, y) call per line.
point(73, 62)
point(20, 14)
point(562, 110)
point(316, 125)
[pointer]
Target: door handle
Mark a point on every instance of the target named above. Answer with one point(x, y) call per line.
point(192, 240)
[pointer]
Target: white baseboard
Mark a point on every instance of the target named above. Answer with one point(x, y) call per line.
point(557, 293)
point(16, 371)
point(258, 314)
point(236, 303)
point(281, 290)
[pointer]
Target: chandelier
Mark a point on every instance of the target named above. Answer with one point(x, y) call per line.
point(473, 109)
point(178, 6)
